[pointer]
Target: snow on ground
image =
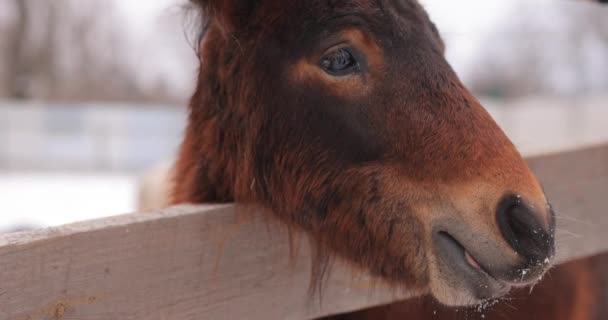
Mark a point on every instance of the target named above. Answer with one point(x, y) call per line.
point(51, 199)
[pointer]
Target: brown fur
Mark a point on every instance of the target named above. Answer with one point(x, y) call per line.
point(368, 165)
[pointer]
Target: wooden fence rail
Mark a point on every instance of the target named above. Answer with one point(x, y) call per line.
point(230, 262)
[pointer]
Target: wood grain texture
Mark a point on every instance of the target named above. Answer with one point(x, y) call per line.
point(231, 262)
point(188, 262)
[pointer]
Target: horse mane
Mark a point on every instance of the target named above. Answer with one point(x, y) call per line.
point(196, 23)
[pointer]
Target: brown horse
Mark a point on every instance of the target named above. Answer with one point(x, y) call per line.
point(577, 290)
point(344, 119)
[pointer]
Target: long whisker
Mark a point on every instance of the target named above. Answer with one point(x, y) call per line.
point(568, 218)
point(570, 233)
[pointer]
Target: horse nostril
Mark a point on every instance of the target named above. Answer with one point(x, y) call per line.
point(522, 229)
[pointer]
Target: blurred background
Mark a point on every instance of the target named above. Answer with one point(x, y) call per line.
point(93, 93)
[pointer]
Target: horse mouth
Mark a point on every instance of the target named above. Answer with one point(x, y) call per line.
point(465, 270)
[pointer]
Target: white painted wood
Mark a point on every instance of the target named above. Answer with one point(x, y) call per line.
point(230, 262)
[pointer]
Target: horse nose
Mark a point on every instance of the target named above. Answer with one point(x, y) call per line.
point(523, 230)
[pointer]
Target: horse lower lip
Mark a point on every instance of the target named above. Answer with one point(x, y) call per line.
point(457, 254)
point(472, 262)
point(463, 253)
point(465, 269)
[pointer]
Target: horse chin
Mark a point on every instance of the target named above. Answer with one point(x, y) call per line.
point(455, 292)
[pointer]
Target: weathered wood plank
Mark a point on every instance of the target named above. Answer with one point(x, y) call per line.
point(188, 262)
point(229, 262)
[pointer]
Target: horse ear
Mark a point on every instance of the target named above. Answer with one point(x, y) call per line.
point(232, 14)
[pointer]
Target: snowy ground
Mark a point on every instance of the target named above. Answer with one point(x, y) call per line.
point(39, 199)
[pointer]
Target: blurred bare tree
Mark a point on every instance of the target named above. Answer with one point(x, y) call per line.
point(15, 64)
point(80, 50)
point(560, 49)
point(69, 50)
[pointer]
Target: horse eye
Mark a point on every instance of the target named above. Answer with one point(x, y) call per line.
point(339, 62)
